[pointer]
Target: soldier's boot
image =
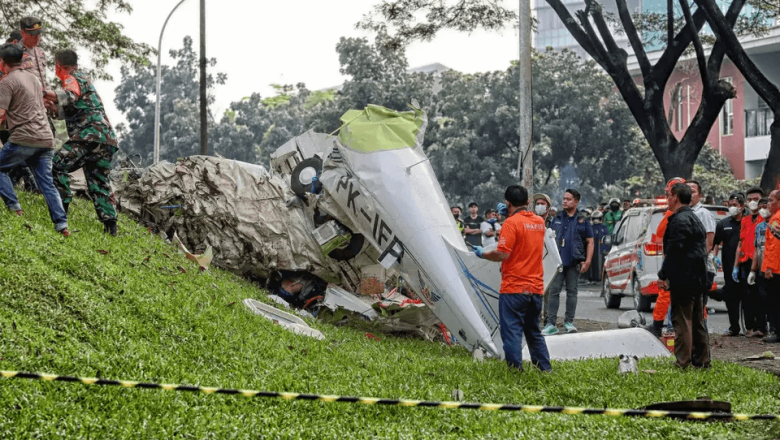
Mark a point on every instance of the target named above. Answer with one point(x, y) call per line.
point(110, 228)
point(656, 328)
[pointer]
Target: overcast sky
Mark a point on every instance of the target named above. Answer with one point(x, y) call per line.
point(286, 42)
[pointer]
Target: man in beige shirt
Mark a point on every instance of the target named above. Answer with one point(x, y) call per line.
point(31, 141)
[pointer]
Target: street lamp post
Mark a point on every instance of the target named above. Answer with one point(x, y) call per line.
point(157, 105)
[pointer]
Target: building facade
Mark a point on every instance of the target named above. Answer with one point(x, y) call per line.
point(741, 133)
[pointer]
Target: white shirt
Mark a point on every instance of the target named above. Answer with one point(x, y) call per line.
point(705, 217)
point(485, 227)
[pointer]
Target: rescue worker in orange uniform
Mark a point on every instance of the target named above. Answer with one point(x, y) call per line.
point(755, 326)
point(771, 264)
point(663, 301)
point(520, 250)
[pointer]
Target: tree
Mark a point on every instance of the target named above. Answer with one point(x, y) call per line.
point(179, 123)
point(676, 157)
point(769, 92)
point(711, 169)
point(72, 24)
point(474, 143)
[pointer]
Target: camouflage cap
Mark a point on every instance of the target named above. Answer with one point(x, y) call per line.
point(31, 25)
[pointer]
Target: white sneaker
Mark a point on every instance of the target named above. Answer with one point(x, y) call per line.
point(570, 328)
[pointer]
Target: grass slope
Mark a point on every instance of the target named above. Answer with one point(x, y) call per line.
point(67, 308)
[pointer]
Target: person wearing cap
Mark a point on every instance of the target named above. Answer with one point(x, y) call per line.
point(31, 141)
point(33, 59)
point(91, 139)
point(684, 273)
point(613, 215)
point(542, 206)
point(490, 228)
point(600, 250)
point(727, 235)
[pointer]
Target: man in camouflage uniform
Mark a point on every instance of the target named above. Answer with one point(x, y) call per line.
point(92, 142)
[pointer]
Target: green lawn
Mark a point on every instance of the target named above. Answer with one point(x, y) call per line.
point(69, 309)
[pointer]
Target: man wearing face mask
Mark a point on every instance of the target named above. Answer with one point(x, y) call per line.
point(771, 262)
point(456, 210)
point(613, 215)
point(756, 277)
point(542, 204)
point(727, 235)
point(755, 326)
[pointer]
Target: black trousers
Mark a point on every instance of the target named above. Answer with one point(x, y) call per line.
point(692, 342)
point(773, 301)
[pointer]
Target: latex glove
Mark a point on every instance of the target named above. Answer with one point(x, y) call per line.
point(492, 221)
point(478, 250)
point(751, 278)
point(735, 274)
point(718, 264)
point(502, 209)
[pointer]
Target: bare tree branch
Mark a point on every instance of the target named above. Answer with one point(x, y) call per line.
point(669, 20)
point(700, 57)
point(606, 63)
point(665, 65)
point(574, 29)
point(601, 25)
point(765, 89)
point(719, 50)
point(633, 38)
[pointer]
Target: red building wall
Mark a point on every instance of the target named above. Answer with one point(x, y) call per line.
point(731, 146)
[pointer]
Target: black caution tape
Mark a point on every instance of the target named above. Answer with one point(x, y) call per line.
point(693, 415)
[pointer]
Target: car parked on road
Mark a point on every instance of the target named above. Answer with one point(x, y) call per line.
point(631, 267)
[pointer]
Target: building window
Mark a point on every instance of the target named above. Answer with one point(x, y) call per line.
point(727, 116)
point(679, 115)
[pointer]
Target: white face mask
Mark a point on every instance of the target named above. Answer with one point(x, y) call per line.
point(752, 205)
point(733, 211)
point(764, 213)
point(540, 209)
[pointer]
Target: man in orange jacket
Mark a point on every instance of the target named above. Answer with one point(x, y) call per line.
point(771, 264)
point(663, 301)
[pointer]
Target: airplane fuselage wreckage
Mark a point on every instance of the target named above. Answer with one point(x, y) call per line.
point(356, 210)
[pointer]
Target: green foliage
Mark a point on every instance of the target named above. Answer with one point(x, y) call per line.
point(131, 314)
point(711, 169)
point(78, 24)
point(179, 108)
point(475, 151)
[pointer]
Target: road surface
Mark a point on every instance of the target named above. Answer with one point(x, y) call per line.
point(591, 306)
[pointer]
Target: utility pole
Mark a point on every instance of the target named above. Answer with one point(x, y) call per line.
point(525, 163)
point(204, 135)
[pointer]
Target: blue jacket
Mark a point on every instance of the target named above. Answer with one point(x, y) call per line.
point(571, 235)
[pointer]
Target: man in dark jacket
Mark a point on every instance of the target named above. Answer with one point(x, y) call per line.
point(684, 274)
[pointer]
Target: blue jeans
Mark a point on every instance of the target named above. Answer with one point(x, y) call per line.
point(519, 315)
point(570, 276)
point(40, 162)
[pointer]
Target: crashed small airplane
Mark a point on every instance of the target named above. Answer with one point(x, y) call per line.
point(334, 208)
